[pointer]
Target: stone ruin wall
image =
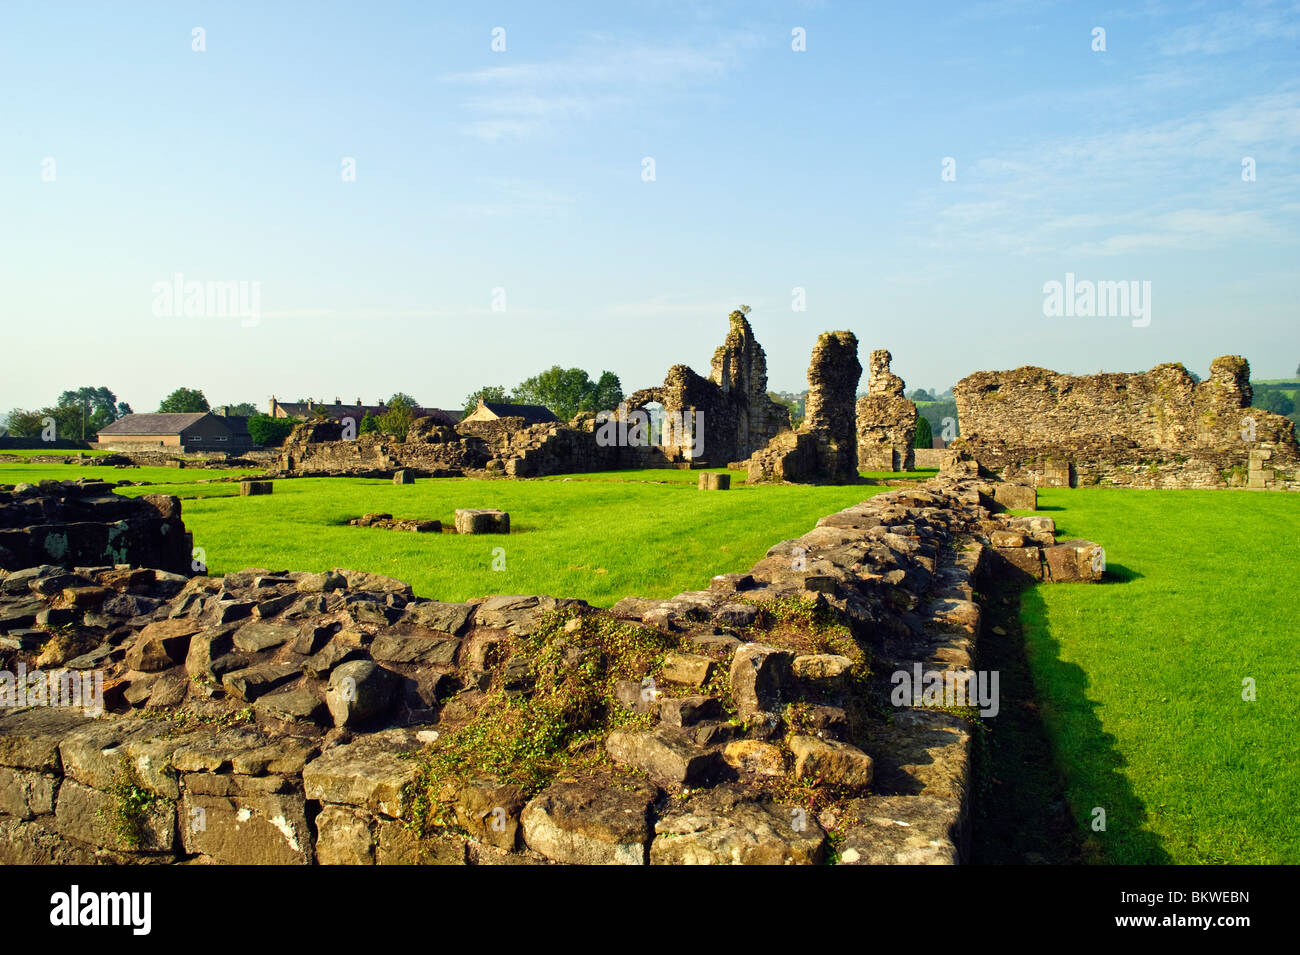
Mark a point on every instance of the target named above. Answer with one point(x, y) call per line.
point(825, 447)
point(86, 523)
point(1152, 429)
point(886, 420)
point(737, 418)
point(736, 415)
point(318, 775)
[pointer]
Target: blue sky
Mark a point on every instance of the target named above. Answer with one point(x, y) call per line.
point(522, 170)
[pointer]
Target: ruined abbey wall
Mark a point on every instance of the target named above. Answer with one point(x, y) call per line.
point(724, 418)
point(886, 420)
point(825, 448)
point(1153, 429)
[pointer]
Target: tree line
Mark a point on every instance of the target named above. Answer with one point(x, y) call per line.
point(564, 391)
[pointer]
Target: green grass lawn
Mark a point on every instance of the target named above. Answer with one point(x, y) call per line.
point(55, 452)
point(18, 473)
point(1139, 679)
point(683, 476)
point(600, 540)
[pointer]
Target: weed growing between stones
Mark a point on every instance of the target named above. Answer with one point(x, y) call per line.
point(558, 721)
point(131, 806)
point(182, 720)
point(805, 626)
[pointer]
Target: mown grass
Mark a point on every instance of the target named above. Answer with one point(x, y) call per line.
point(55, 452)
point(598, 540)
point(683, 476)
point(1139, 679)
point(15, 473)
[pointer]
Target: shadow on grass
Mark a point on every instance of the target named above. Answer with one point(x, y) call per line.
point(1119, 574)
point(1021, 808)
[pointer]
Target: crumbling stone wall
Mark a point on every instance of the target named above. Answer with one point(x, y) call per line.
point(735, 415)
point(84, 523)
point(739, 369)
point(825, 448)
point(318, 448)
point(1154, 429)
point(886, 420)
point(348, 674)
point(731, 410)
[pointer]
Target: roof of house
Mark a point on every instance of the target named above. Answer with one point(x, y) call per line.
point(536, 413)
point(152, 423)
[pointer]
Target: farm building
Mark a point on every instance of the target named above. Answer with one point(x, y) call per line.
point(198, 431)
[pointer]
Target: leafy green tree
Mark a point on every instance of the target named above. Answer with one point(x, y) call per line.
point(368, 424)
point(403, 398)
point(397, 419)
point(920, 394)
point(1270, 399)
point(184, 401)
point(924, 436)
point(487, 393)
point(268, 431)
point(564, 390)
point(99, 405)
point(25, 424)
point(67, 420)
point(245, 409)
point(605, 395)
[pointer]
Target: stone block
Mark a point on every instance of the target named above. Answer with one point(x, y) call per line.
point(1017, 497)
point(590, 823)
point(830, 762)
point(252, 488)
point(482, 521)
point(719, 827)
point(686, 668)
point(247, 830)
point(1074, 560)
point(758, 675)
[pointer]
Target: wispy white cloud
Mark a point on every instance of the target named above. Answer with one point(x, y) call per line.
point(604, 74)
point(1231, 31)
point(1174, 185)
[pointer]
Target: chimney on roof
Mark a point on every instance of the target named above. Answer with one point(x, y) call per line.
point(274, 406)
point(358, 402)
point(338, 401)
point(310, 402)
